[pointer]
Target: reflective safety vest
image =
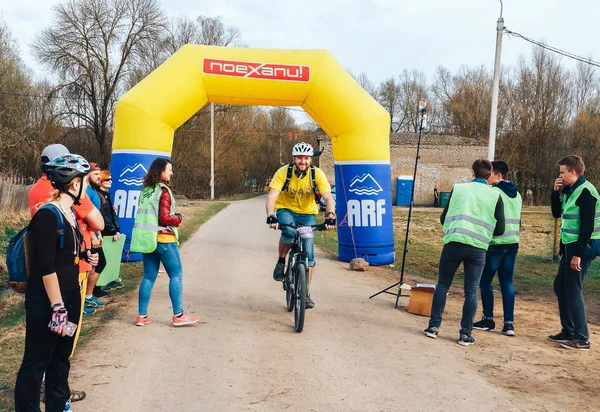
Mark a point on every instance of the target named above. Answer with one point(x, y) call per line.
point(512, 220)
point(144, 237)
point(570, 222)
point(470, 218)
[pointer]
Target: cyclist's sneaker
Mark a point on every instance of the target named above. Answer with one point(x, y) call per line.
point(99, 293)
point(93, 303)
point(431, 332)
point(465, 340)
point(576, 344)
point(508, 330)
point(185, 319)
point(309, 302)
point(119, 284)
point(88, 311)
point(561, 337)
point(143, 320)
point(485, 324)
point(278, 272)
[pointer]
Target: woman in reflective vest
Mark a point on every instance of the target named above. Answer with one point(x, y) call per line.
point(155, 235)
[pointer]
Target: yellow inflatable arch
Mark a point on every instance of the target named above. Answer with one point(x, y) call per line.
point(147, 116)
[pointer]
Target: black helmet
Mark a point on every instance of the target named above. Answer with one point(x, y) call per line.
point(64, 168)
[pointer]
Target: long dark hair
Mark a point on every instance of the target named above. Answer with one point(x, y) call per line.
point(158, 166)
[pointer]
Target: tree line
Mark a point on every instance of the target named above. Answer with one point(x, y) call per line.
point(96, 50)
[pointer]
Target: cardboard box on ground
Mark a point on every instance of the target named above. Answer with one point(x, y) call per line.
point(421, 297)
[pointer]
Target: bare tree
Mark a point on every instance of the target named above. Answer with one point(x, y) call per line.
point(389, 98)
point(586, 85)
point(539, 106)
point(89, 47)
point(365, 83)
point(413, 89)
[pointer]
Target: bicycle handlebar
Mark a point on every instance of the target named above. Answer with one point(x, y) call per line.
point(316, 227)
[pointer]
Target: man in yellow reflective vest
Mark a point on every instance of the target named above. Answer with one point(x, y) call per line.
point(474, 214)
point(579, 210)
point(502, 254)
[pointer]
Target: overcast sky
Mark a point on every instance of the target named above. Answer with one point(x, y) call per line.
point(378, 37)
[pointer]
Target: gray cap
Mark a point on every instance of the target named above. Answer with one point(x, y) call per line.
point(53, 151)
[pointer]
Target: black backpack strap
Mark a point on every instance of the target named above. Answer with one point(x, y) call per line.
point(312, 178)
point(288, 177)
point(61, 223)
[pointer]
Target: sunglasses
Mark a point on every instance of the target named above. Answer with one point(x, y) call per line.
point(108, 180)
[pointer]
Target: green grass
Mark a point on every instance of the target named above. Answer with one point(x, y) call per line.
point(12, 310)
point(534, 270)
point(242, 196)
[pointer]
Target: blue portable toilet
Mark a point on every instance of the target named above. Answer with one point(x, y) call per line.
point(404, 185)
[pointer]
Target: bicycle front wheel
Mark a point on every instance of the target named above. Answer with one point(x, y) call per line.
point(290, 297)
point(300, 292)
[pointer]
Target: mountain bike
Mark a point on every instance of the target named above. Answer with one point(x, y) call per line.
point(295, 280)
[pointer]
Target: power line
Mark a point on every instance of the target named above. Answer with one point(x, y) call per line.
point(554, 49)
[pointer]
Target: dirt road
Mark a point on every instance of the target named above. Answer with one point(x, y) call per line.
point(355, 354)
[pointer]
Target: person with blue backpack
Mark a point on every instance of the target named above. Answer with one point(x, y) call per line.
point(52, 298)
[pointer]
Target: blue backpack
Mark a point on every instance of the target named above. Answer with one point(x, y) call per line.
point(17, 253)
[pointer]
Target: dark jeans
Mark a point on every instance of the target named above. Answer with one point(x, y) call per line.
point(499, 259)
point(473, 260)
point(45, 351)
point(568, 287)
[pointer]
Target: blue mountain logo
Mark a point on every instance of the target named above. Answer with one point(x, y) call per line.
point(365, 185)
point(133, 175)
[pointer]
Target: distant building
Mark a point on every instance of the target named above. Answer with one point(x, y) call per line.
point(444, 160)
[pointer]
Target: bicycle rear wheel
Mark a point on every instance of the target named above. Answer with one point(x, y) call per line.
point(300, 292)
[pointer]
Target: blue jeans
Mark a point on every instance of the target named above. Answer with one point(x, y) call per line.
point(287, 217)
point(568, 287)
point(499, 259)
point(473, 260)
point(168, 254)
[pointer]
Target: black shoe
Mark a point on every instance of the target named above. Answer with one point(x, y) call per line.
point(561, 337)
point(576, 344)
point(508, 330)
point(99, 293)
point(485, 324)
point(278, 272)
point(466, 340)
point(431, 332)
point(309, 302)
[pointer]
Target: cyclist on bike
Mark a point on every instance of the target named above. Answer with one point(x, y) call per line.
point(291, 200)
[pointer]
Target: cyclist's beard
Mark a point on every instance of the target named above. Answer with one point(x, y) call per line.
point(300, 173)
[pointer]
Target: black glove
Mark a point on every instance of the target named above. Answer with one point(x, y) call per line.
point(330, 221)
point(272, 219)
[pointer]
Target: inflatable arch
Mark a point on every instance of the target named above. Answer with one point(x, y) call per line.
point(147, 116)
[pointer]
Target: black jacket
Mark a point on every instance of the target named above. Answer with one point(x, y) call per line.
point(111, 222)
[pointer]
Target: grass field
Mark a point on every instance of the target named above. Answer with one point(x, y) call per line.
point(534, 272)
point(12, 311)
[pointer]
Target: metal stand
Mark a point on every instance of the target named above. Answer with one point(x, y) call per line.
point(410, 208)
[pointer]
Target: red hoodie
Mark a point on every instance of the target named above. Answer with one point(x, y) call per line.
point(165, 218)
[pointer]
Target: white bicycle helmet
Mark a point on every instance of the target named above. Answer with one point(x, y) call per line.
point(303, 149)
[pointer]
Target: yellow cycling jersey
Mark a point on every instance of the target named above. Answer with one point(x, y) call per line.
point(299, 197)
